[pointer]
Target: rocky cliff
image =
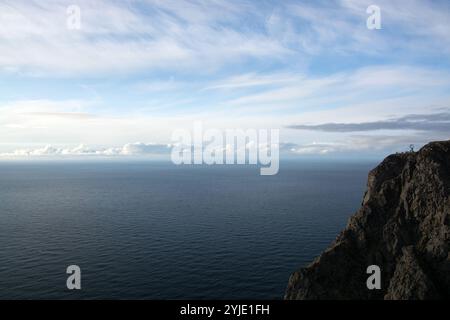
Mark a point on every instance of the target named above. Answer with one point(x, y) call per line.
point(402, 227)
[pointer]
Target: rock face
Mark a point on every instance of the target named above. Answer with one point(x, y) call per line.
point(402, 227)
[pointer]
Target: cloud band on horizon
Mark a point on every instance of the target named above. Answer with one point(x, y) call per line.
point(438, 122)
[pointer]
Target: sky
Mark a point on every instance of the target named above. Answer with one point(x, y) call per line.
point(136, 70)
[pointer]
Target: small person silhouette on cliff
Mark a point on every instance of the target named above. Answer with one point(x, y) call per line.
point(411, 148)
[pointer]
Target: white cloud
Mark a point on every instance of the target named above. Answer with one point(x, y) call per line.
point(117, 37)
point(315, 148)
point(359, 144)
point(253, 80)
point(121, 36)
point(129, 149)
point(370, 143)
point(341, 90)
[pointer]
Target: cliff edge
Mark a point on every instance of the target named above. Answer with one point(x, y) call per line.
point(402, 227)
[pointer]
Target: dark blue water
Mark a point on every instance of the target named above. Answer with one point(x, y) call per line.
point(157, 231)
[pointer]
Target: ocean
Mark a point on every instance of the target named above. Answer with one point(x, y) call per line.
point(153, 230)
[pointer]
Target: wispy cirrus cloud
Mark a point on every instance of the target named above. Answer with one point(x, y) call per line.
point(303, 92)
point(126, 36)
point(119, 37)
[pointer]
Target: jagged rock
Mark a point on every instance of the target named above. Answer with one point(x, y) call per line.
point(410, 281)
point(402, 226)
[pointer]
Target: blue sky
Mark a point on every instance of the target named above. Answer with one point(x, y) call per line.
point(137, 70)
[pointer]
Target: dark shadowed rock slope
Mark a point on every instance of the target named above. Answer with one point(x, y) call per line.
point(402, 226)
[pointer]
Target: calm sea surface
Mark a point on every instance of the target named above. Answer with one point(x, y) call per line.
point(157, 231)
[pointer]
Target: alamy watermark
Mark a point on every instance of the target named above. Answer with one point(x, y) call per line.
point(231, 146)
point(74, 280)
point(374, 20)
point(73, 21)
point(374, 280)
